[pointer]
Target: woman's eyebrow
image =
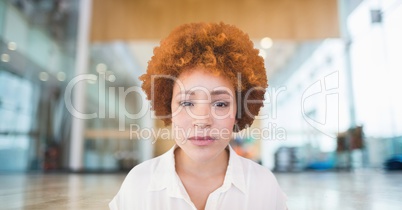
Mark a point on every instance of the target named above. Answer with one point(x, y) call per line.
point(187, 92)
point(220, 92)
point(213, 93)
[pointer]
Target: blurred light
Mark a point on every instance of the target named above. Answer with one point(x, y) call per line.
point(262, 53)
point(266, 43)
point(12, 46)
point(101, 68)
point(43, 76)
point(5, 57)
point(111, 78)
point(61, 76)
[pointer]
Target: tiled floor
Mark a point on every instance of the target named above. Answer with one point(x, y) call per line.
point(362, 190)
point(58, 191)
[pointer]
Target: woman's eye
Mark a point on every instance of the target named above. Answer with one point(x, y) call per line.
point(221, 104)
point(186, 103)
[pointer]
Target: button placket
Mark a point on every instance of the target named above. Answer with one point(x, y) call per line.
point(212, 201)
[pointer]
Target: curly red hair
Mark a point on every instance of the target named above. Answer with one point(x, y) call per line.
point(219, 48)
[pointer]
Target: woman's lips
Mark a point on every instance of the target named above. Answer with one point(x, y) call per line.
point(202, 140)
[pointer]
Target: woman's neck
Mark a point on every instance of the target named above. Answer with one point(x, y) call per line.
point(217, 166)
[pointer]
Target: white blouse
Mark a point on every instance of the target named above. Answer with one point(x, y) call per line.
point(155, 185)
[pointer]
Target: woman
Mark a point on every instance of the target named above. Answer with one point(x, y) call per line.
point(207, 81)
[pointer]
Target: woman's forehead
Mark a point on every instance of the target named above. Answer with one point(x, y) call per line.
point(201, 79)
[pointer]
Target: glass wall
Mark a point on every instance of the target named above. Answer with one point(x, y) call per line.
point(375, 51)
point(115, 95)
point(329, 88)
point(37, 58)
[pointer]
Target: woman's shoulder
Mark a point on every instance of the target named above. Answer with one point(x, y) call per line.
point(254, 168)
point(145, 168)
point(262, 181)
point(254, 171)
point(136, 183)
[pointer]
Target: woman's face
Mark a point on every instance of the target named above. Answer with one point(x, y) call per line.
point(203, 114)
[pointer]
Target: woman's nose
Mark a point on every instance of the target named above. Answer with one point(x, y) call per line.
point(201, 114)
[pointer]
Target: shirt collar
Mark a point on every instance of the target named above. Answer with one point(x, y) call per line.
point(165, 175)
point(164, 171)
point(235, 171)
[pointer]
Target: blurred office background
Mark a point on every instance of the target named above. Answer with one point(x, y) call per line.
point(334, 69)
point(72, 115)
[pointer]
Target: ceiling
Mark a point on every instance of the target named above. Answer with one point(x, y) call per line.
point(124, 32)
point(153, 19)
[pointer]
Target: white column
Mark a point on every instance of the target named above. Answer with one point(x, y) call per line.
point(344, 7)
point(78, 125)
